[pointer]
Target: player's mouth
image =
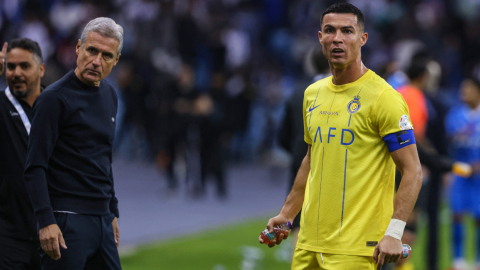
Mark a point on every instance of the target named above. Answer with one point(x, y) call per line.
point(93, 72)
point(338, 52)
point(17, 84)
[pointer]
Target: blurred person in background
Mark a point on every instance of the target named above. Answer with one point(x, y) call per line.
point(180, 27)
point(178, 103)
point(463, 129)
point(416, 101)
point(424, 117)
point(436, 159)
point(212, 112)
point(353, 225)
point(69, 161)
point(24, 69)
point(417, 105)
point(130, 137)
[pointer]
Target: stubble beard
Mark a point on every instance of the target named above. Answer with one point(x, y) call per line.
point(21, 94)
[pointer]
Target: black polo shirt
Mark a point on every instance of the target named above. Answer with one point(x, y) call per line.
point(16, 211)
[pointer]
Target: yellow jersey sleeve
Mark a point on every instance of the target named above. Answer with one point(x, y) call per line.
point(391, 113)
point(305, 123)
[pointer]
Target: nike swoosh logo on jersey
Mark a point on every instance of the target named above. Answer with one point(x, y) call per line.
point(311, 109)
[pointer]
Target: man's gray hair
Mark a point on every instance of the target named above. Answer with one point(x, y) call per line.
point(105, 27)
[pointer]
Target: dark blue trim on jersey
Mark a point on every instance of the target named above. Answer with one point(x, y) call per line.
point(344, 183)
point(399, 139)
point(320, 193)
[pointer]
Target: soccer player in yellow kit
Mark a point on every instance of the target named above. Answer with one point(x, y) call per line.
point(358, 128)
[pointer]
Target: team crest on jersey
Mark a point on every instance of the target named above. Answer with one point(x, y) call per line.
point(354, 105)
point(404, 123)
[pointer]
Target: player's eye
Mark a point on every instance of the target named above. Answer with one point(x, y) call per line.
point(107, 56)
point(24, 66)
point(92, 50)
point(10, 67)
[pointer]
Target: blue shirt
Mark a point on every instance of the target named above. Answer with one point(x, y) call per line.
point(462, 125)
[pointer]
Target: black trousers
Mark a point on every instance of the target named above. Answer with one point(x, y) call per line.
point(16, 254)
point(90, 244)
point(434, 189)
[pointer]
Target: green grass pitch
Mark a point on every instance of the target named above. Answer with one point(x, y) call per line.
point(236, 247)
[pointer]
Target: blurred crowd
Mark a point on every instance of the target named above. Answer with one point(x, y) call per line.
point(235, 63)
point(208, 81)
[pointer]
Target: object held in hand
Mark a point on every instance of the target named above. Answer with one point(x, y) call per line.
point(462, 169)
point(277, 230)
point(407, 251)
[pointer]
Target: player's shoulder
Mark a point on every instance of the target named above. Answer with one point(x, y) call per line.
point(381, 91)
point(52, 94)
point(109, 88)
point(48, 98)
point(318, 85)
point(107, 84)
point(378, 86)
point(3, 98)
point(53, 88)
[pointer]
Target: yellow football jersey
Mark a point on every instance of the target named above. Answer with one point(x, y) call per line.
point(349, 194)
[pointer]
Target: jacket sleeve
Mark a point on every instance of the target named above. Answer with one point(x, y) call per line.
point(113, 200)
point(49, 112)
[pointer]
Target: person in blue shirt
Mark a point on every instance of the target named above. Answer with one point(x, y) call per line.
point(463, 129)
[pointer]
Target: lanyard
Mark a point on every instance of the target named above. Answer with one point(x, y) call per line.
point(19, 109)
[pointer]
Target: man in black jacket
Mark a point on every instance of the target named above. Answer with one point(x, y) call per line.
point(18, 230)
point(68, 171)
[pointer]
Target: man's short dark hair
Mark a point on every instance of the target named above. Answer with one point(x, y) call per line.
point(346, 8)
point(28, 45)
point(416, 69)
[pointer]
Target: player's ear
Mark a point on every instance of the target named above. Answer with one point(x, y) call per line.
point(116, 60)
point(77, 48)
point(363, 38)
point(320, 36)
point(42, 70)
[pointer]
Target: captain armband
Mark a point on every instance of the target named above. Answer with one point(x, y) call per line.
point(396, 228)
point(399, 139)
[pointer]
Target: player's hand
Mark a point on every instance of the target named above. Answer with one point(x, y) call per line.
point(116, 231)
point(278, 220)
point(51, 239)
point(387, 251)
point(3, 53)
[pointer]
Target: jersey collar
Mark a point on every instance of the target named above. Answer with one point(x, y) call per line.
point(343, 87)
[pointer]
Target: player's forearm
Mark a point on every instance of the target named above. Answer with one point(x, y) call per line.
point(294, 201)
point(407, 192)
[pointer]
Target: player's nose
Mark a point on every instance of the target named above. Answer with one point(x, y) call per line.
point(97, 61)
point(338, 38)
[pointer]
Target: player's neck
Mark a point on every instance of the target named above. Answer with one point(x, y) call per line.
point(348, 74)
point(30, 99)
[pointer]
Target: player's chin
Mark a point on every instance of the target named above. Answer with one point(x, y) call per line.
point(338, 59)
point(338, 62)
point(92, 78)
point(19, 92)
